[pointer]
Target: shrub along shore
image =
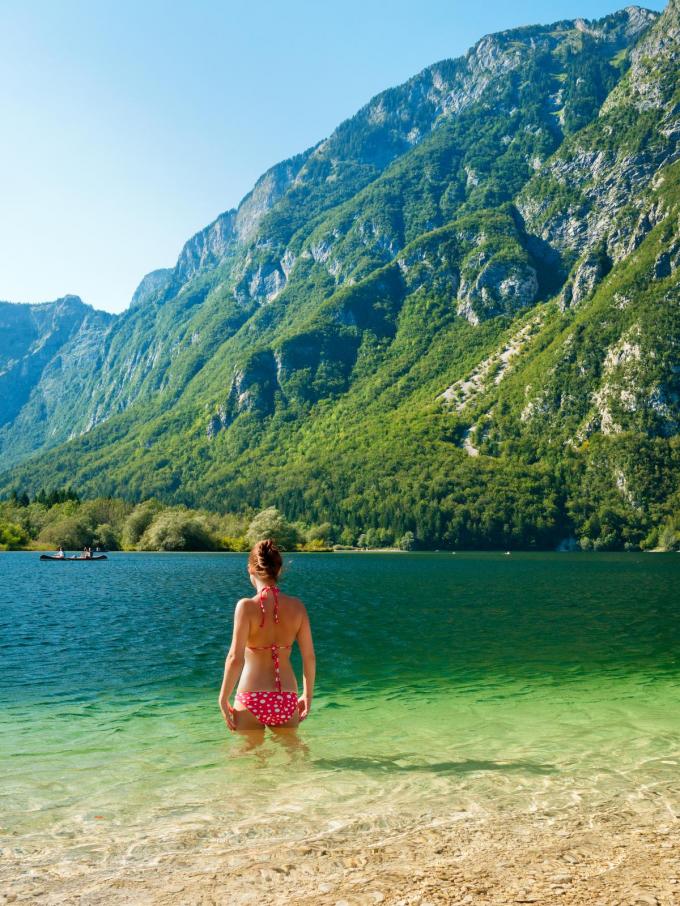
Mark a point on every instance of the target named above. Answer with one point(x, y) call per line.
point(60, 517)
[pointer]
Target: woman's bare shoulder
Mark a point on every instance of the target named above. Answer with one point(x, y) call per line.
point(294, 602)
point(245, 604)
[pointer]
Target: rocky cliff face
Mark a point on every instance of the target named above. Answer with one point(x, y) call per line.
point(49, 354)
point(503, 225)
point(399, 119)
point(599, 174)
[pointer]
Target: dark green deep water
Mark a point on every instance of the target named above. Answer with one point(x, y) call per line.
point(446, 684)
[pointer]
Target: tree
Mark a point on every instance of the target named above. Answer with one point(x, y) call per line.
point(347, 537)
point(407, 542)
point(104, 510)
point(72, 532)
point(271, 523)
point(105, 536)
point(668, 536)
point(55, 495)
point(177, 530)
point(12, 536)
point(138, 522)
point(323, 532)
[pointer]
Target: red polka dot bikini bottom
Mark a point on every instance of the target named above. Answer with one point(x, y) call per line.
point(271, 708)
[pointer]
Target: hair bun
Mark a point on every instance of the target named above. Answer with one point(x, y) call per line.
point(266, 559)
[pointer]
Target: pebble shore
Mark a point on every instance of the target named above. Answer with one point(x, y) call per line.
point(570, 859)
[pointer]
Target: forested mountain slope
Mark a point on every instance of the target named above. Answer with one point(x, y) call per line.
point(458, 315)
point(49, 357)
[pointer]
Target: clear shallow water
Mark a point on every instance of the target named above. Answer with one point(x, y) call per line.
point(447, 685)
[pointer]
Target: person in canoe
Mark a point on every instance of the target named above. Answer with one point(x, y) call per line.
point(265, 628)
point(87, 553)
point(60, 553)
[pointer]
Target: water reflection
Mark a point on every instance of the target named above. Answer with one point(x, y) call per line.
point(247, 742)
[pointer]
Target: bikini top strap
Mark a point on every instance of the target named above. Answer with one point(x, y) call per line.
point(263, 595)
point(261, 600)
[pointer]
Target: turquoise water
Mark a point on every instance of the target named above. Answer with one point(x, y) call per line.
point(467, 684)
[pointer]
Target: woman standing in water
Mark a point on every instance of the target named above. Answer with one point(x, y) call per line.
point(265, 627)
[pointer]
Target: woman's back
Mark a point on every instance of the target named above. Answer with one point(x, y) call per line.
point(274, 616)
point(275, 620)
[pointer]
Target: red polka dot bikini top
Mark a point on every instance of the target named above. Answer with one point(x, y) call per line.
point(273, 648)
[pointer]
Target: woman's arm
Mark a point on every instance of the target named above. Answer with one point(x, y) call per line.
point(306, 645)
point(235, 660)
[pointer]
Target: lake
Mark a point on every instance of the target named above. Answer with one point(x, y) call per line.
point(448, 684)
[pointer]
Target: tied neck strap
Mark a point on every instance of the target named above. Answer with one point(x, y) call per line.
point(263, 594)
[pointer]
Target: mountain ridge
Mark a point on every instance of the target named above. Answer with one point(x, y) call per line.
point(43, 347)
point(348, 265)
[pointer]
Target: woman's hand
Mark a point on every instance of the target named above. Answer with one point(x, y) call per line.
point(304, 706)
point(228, 714)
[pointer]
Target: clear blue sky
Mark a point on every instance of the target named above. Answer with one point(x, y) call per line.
point(128, 125)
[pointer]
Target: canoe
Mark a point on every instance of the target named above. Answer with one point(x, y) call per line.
point(72, 559)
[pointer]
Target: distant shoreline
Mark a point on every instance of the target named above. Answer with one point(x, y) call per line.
point(348, 550)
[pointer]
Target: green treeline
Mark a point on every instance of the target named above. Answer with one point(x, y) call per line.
point(59, 517)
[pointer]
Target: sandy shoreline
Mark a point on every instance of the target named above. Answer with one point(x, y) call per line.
point(571, 858)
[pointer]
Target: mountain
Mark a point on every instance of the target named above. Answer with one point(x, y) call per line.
point(49, 355)
point(457, 315)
